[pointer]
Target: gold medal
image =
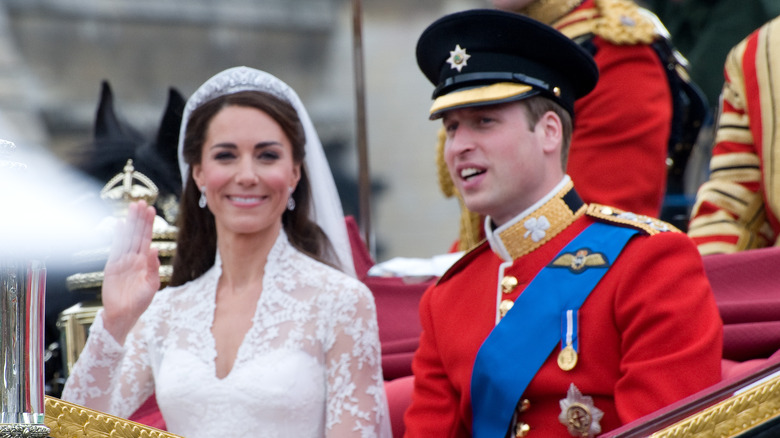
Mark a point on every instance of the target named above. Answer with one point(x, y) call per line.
point(567, 358)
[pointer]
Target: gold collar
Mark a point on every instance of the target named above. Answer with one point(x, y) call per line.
point(528, 232)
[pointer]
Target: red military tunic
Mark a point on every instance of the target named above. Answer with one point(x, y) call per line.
point(649, 333)
point(738, 207)
point(621, 128)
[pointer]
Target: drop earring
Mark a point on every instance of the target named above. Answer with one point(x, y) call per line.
point(291, 201)
point(202, 201)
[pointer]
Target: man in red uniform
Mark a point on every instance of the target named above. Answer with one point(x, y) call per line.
point(738, 208)
point(621, 136)
point(572, 319)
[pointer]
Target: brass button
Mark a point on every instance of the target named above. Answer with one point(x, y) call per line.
point(522, 430)
point(505, 306)
point(525, 404)
point(508, 284)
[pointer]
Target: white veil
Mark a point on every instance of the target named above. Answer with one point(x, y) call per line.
point(326, 208)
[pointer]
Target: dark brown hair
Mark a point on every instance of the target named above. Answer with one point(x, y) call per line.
point(196, 245)
point(537, 106)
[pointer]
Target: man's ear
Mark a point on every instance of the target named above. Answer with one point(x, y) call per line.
point(551, 130)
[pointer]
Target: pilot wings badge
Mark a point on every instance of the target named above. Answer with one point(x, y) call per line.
point(578, 413)
point(579, 261)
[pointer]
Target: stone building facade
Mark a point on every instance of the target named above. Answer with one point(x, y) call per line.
point(55, 53)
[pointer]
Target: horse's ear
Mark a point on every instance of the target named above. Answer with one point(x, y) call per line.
point(107, 125)
point(168, 134)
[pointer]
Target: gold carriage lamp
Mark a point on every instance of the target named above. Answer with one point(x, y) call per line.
point(121, 191)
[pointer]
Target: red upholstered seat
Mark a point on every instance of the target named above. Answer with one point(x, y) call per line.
point(746, 286)
point(149, 414)
point(397, 304)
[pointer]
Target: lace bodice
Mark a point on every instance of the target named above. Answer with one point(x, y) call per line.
point(308, 367)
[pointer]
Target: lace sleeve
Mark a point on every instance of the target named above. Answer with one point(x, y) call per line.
point(110, 377)
point(356, 401)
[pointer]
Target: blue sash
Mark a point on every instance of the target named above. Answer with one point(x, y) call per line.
point(520, 344)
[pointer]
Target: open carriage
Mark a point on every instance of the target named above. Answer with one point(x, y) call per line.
point(745, 403)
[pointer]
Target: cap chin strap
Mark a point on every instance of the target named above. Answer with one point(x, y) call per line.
point(481, 78)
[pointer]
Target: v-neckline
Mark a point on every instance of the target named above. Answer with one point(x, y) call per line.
point(247, 334)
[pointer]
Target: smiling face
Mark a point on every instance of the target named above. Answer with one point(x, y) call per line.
point(247, 169)
point(499, 164)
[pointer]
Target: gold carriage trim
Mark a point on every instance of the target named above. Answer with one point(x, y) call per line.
point(732, 416)
point(647, 224)
point(66, 420)
point(89, 280)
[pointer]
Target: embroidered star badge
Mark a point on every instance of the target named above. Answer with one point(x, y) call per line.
point(578, 413)
point(580, 260)
point(458, 58)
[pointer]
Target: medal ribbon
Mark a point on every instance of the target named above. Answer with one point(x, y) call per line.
point(569, 335)
point(523, 340)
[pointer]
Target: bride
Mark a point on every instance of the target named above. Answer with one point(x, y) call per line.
point(260, 333)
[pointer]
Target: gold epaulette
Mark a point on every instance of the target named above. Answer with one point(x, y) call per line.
point(620, 22)
point(614, 215)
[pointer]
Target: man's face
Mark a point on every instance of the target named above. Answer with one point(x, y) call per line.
point(499, 165)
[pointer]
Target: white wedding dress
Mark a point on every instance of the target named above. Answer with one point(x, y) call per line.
point(310, 365)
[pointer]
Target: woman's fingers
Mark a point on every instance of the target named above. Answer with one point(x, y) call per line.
point(137, 217)
point(148, 214)
point(134, 233)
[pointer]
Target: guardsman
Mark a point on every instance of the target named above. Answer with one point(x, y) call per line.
point(570, 319)
point(738, 208)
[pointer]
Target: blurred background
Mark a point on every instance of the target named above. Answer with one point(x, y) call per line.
point(55, 53)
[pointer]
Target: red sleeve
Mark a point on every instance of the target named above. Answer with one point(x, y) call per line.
point(434, 407)
point(619, 148)
point(670, 328)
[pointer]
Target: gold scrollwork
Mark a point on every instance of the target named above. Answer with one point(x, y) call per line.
point(66, 420)
point(732, 416)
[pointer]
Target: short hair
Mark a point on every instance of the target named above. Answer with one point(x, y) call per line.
point(536, 107)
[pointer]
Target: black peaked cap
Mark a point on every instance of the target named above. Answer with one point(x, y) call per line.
point(481, 47)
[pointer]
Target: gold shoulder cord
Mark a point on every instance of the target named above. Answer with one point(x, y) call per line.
point(647, 224)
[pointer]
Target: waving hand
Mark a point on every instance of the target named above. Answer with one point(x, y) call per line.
point(131, 275)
